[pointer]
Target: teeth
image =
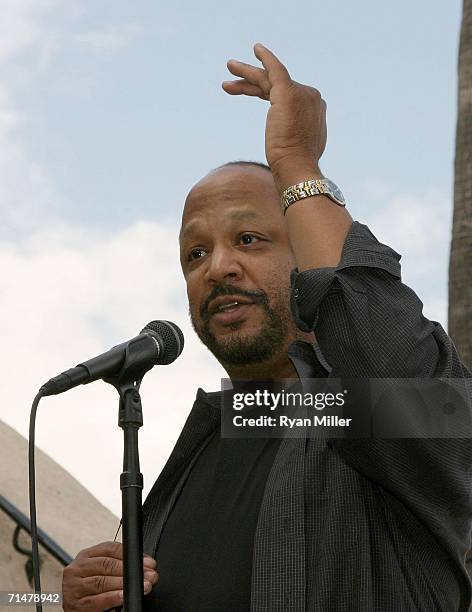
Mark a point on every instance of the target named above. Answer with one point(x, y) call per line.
point(230, 305)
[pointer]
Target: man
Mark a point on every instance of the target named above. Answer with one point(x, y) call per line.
point(296, 524)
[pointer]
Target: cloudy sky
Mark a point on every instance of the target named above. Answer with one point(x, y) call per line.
point(111, 110)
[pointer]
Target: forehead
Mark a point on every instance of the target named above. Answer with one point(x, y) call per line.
point(246, 191)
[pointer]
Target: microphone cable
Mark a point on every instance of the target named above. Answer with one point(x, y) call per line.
point(32, 501)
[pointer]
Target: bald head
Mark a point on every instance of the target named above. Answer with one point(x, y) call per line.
point(232, 183)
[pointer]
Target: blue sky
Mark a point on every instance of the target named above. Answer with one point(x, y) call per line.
point(126, 97)
point(111, 110)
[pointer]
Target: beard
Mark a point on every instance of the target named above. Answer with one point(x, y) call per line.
point(256, 347)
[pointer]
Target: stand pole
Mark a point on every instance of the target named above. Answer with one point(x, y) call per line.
point(131, 484)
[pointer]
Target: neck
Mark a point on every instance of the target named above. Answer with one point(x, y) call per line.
point(277, 368)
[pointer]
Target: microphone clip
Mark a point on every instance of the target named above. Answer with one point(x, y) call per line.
point(137, 361)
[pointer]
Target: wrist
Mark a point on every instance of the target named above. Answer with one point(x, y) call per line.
point(294, 170)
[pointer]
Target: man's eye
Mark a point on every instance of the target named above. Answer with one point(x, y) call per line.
point(248, 238)
point(196, 254)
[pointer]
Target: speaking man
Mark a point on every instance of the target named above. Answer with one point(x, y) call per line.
point(283, 284)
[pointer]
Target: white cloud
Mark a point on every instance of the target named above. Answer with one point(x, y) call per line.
point(28, 41)
point(21, 24)
point(9, 119)
point(415, 224)
point(68, 294)
point(419, 228)
point(112, 38)
point(436, 309)
point(27, 195)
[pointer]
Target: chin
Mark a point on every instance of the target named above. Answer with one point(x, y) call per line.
point(241, 329)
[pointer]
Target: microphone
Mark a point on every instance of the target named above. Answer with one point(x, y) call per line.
point(159, 343)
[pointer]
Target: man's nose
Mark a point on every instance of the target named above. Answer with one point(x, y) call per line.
point(223, 265)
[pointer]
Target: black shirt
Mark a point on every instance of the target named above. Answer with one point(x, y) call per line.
point(204, 556)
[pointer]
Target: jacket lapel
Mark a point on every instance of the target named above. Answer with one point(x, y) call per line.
point(278, 578)
point(278, 575)
point(197, 432)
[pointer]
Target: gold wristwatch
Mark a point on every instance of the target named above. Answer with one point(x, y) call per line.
point(312, 187)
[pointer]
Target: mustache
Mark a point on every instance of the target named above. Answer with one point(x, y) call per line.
point(258, 297)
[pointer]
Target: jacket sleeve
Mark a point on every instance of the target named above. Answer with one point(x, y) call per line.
point(368, 324)
point(366, 321)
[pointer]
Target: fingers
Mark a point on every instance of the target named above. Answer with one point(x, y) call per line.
point(149, 562)
point(241, 86)
point(104, 549)
point(252, 74)
point(94, 585)
point(151, 576)
point(96, 603)
point(99, 566)
point(107, 566)
point(275, 70)
point(111, 550)
point(256, 81)
point(94, 580)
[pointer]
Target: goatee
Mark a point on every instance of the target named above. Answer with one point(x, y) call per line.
point(236, 349)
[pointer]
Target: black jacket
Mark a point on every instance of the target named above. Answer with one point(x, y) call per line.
point(358, 525)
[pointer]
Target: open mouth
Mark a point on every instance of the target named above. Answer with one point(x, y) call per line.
point(226, 303)
point(230, 306)
point(230, 311)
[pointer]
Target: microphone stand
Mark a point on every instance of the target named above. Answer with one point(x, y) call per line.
point(130, 419)
point(159, 342)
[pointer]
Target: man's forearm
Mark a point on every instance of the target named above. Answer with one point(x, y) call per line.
point(317, 226)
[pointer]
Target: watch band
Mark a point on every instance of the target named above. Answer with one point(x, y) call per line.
point(311, 187)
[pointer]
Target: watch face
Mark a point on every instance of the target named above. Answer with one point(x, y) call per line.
point(335, 191)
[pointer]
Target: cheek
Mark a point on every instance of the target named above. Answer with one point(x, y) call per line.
point(278, 284)
point(282, 262)
point(279, 273)
point(194, 298)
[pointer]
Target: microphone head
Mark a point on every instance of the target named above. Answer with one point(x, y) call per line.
point(169, 337)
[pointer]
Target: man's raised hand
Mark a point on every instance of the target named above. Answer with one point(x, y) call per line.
point(295, 135)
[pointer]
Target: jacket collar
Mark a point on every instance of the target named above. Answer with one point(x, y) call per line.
point(307, 359)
